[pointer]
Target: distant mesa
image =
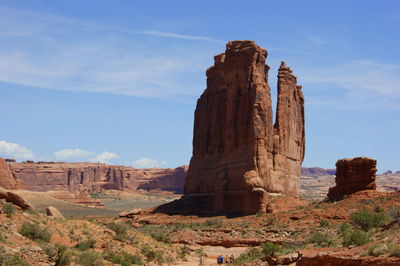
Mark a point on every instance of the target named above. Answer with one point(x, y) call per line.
point(239, 155)
point(353, 175)
point(388, 172)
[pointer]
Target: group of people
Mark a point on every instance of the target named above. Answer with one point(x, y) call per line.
point(227, 259)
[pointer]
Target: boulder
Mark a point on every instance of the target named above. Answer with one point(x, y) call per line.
point(239, 155)
point(130, 214)
point(353, 175)
point(54, 212)
point(15, 199)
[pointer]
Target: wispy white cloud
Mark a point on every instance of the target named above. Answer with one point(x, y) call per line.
point(16, 151)
point(72, 154)
point(61, 56)
point(104, 157)
point(358, 84)
point(148, 163)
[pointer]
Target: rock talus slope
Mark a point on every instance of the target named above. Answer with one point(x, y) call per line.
point(353, 175)
point(239, 155)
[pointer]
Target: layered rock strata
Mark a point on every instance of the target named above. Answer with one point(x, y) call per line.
point(239, 155)
point(77, 178)
point(7, 178)
point(353, 175)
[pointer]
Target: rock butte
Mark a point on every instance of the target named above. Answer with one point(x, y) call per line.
point(239, 155)
point(353, 175)
point(7, 178)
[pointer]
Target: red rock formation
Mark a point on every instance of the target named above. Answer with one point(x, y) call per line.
point(7, 179)
point(76, 177)
point(353, 175)
point(238, 154)
point(316, 171)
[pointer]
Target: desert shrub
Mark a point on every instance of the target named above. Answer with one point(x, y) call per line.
point(87, 244)
point(378, 209)
point(125, 259)
point(377, 250)
point(120, 230)
point(394, 214)
point(35, 232)
point(217, 223)
point(324, 223)
point(356, 238)
point(2, 238)
point(183, 251)
point(394, 250)
point(367, 219)
point(344, 227)
point(161, 237)
point(90, 258)
point(259, 213)
point(252, 254)
point(152, 255)
point(8, 209)
point(321, 239)
point(269, 249)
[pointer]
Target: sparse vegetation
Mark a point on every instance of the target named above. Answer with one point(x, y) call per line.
point(394, 214)
point(252, 254)
point(90, 258)
point(35, 232)
point(123, 258)
point(377, 250)
point(216, 223)
point(394, 250)
point(324, 223)
point(367, 219)
point(9, 210)
point(87, 244)
point(183, 251)
point(355, 238)
point(269, 249)
point(161, 237)
point(152, 255)
point(321, 239)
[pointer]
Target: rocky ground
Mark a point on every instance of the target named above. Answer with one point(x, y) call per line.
point(311, 233)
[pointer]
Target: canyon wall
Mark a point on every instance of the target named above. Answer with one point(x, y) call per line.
point(239, 155)
point(7, 178)
point(92, 177)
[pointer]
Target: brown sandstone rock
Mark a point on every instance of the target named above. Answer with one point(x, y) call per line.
point(54, 212)
point(7, 179)
point(72, 177)
point(238, 154)
point(15, 199)
point(130, 214)
point(353, 175)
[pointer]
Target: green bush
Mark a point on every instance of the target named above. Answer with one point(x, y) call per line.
point(321, 239)
point(120, 230)
point(394, 250)
point(90, 258)
point(252, 254)
point(394, 214)
point(183, 251)
point(125, 259)
point(377, 250)
point(87, 244)
point(35, 232)
point(8, 209)
point(259, 213)
point(356, 238)
point(152, 255)
point(344, 227)
point(324, 223)
point(162, 237)
point(367, 219)
point(269, 249)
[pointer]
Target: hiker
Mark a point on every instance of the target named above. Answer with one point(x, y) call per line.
point(220, 259)
point(226, 259)
point(232, 259)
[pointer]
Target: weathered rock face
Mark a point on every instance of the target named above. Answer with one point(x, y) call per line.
point(353, 175)
point(15, 199)
point(54, 212)
point(92, 177)
point(174, 181)
point(7, 179)
point(239, 155)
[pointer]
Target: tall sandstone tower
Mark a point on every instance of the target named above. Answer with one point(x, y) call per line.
point(239, 155)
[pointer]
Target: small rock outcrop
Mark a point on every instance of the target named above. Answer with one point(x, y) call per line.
point(54, 212)
point(239, 155)
point(130, 214)
point(353, 175)
point(7, 179)
point(15, 199)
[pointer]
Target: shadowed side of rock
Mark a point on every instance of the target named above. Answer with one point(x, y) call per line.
point(353, 175)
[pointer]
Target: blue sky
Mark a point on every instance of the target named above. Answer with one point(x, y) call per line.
point(117, 81)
